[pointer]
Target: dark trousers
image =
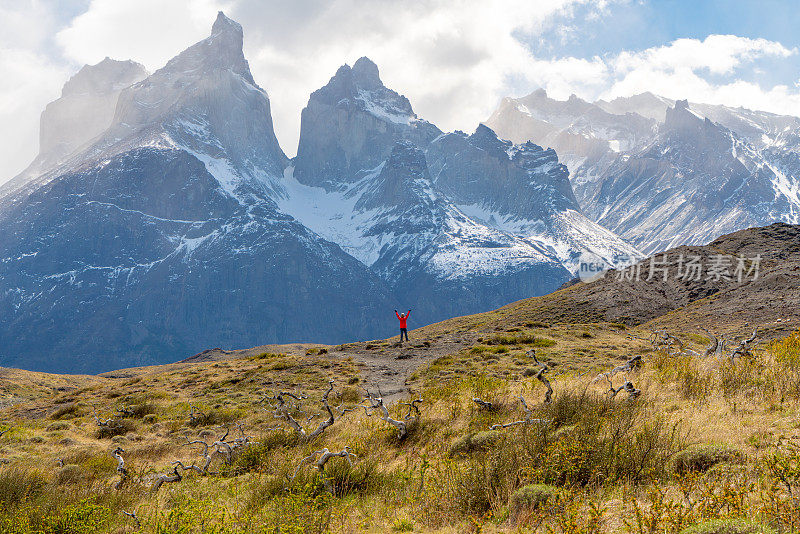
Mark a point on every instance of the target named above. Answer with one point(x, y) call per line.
point(403, 332)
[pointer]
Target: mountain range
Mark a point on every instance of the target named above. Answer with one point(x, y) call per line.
point(662, 173)
point(161, 216)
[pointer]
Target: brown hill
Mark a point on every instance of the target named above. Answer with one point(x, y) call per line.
point(771, 300)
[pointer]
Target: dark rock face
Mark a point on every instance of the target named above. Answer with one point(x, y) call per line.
point(350, 125)
point(145, 259)
point(523, 180)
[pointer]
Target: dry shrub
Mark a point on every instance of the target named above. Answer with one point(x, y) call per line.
point(700, 458)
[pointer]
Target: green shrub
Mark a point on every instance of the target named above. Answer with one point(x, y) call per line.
point(69, 409)
point(257, 456)
point(142, 409)
point(359, 479)
point(534, 496)
point(403, 525)
point(115, 427)
point(212, 417)
point(702, 457)
point(475, 441)
point(728, 526)
point(350, 395)
point(520, 339)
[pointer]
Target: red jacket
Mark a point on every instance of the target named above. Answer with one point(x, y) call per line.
point(403, 318)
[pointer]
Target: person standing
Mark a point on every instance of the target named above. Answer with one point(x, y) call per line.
point(403, 318)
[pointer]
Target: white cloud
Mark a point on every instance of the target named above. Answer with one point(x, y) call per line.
point(30, 79)
point(148, 31)
point(679, 70)
point(719, 54)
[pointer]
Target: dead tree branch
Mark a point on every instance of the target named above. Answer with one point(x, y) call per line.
point(324, 456)
point(744, 347)
point(175, 476)
point(123, 472)
point(631, 365)
point(282, 411)
point(376, 404)
point(193, 419)
point(133, 516)
point(206, 456)
point(662, 338)
point(548, 396)
point(483, 404)
point(529, 420)
point(102, 422)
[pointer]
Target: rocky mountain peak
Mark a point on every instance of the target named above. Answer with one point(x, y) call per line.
point(486, 139)
point(358, 85)
point(220, 50)
point(365, 73)
point(681, 119)
point(351, 125)
point(224, 25)
point(86, 107)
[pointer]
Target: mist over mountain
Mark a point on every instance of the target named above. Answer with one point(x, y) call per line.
point(662, 173)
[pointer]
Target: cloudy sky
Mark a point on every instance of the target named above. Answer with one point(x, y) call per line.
point(454, 59)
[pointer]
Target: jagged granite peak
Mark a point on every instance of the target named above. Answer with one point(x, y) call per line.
point(522, 190)
point(72, 122)
point(206, 101)
point(645, 104)
point(365, 72)
point(582, 133)
point(351, 124)
point(694, 181)
point(661, 173)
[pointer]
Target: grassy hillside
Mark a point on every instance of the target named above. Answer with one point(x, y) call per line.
point(703, 444)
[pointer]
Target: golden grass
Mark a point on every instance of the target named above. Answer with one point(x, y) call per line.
point(395, 486)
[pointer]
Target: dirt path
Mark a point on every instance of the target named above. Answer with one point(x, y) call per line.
point(386, 364)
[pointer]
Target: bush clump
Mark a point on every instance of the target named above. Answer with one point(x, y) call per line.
point(474, 442)
point(701, 458)
point(728, 526)
point(534, 496)
point(115, 427)
point(69, 409)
